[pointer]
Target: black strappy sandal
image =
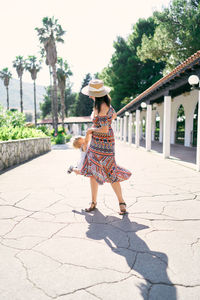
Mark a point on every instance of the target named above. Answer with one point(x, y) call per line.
point(123, 210)
point(92, 207)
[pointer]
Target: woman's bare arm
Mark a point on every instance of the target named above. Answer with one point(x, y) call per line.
point(114, 116)
point(87, 139)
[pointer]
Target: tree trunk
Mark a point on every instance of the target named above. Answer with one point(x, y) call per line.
point(21, 94)
point(35, 109)
point(52, 102)
point(7, 97)
point(62, 94)
point(55, 99)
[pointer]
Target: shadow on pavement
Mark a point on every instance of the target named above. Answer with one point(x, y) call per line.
point(120, 236)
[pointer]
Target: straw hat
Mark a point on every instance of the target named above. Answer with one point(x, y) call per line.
point(95, 88)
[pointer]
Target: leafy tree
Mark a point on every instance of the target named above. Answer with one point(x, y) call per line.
point(84, 104)
point(46, 106)
point(50, 34)
point(43, 57)
point(33, 66)
point(19, 65)
point(63, 72)
point(126, 74)
point(177, 35)
point(70, 99)
point(6, 75)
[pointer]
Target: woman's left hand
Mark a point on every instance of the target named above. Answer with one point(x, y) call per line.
point(90, 130)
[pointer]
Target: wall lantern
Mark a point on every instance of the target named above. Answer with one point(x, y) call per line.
point(126, 113)
point(193, 81)
point(143, 105)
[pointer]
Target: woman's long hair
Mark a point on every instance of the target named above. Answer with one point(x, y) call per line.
point(99, 100)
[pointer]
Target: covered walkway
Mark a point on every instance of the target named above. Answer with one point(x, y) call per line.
point(169, 110)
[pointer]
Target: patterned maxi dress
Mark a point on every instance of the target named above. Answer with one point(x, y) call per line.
point(100, 158)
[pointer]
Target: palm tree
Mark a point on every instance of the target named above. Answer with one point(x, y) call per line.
point(63, 72)
point(42, 53)
point(19, 64)
point(33, 67)
point(6, 75)
point(49, 34)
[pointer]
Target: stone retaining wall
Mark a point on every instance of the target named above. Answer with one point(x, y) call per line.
point(18, 151)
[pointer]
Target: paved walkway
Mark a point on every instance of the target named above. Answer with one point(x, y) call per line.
point(51, 249)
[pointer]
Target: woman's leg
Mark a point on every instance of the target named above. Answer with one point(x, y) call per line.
point(118, 191)
point(94, 190)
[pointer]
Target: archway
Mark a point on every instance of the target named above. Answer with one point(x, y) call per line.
point(180, 125)
point(194, 131)
point(157, 127)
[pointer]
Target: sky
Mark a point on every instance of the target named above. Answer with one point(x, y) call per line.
point(91, 28)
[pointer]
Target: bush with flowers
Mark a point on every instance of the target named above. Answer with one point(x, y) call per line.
point(61, 137)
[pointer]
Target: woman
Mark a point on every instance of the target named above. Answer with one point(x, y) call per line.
point(99, 163)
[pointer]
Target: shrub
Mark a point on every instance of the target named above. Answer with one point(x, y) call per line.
point(11, 118)
point(15, 133)
point(45, 129)
point(60, 139)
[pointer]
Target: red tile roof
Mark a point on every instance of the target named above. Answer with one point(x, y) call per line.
point(178, 69)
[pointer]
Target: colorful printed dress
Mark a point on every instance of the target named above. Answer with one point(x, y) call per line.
point(100, 158)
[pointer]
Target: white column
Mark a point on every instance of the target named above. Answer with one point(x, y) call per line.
point(79, 129)
point(125, 128)
point(173, 125)
point(148, 127)
point(133, 126)
point(137, 131)
point(153, 126)
point(198, 137)
point(85, 128)
point(188, 128)
point(113, 126)
point(121, 128)
point(130, 128)
point(161, 129)
point(117, 128)
point(166, 126)
point(141, 127)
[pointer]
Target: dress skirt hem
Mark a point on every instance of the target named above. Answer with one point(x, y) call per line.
point(104, 175)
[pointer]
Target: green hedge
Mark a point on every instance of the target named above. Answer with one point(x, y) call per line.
point(15, 133)
point(14, 127)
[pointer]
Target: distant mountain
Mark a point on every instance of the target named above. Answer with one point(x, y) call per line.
point(14, 95)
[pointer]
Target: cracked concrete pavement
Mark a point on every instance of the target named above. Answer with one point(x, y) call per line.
point(51, 249)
